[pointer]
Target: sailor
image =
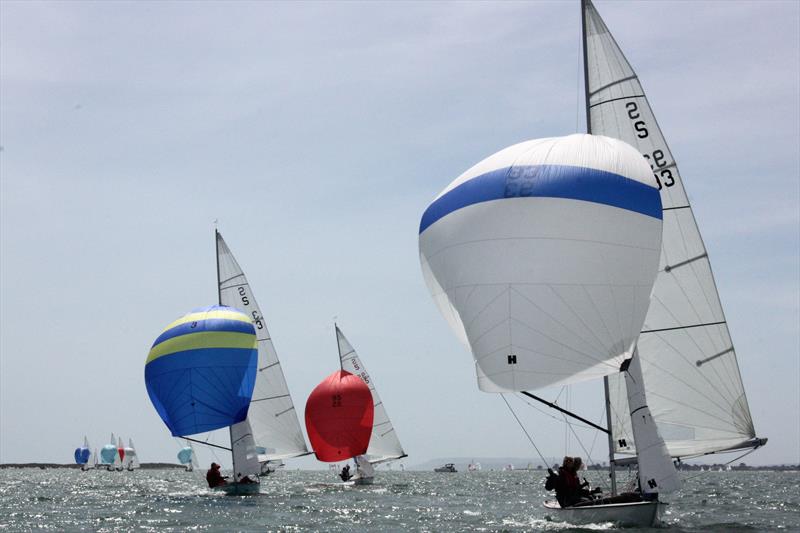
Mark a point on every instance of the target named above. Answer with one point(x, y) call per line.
point(214, 478)
point(565, 483)
point(583, 491)
point(345, 475)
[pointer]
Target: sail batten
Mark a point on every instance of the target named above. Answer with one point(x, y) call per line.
point(688, 361)
point(267, 434)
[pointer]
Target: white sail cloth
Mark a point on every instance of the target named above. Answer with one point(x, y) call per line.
point(384, 445)
point(694, 387)
point(542, 257)
point(657, 474)
point(272, 430)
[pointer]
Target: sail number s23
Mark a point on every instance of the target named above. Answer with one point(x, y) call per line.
point(664, 176)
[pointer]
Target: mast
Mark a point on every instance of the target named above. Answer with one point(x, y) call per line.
point(586, 73)
point(219, 302)
point(611, 470)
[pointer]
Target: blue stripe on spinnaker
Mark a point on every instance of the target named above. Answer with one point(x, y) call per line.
point(206, 325)
point(554, 181)
point(195, 391)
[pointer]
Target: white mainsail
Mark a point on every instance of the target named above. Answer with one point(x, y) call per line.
point(694, 387)
point(383, 444)
point(271, 430)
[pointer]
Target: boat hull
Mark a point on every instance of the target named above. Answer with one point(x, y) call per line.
point(238, 489)
point(637, 514)
point(363, 480)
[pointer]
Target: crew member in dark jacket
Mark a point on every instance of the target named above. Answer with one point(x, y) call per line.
point(214, 478)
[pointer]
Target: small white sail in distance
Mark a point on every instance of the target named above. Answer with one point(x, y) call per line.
point(271, 430)
point(694, 387)
point(384, 445)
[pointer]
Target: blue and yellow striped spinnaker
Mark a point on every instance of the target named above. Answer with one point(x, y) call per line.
point(201, 370)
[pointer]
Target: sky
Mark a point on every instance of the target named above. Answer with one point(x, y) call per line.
point(316, 134)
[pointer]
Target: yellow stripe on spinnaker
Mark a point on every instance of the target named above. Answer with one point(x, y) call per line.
point(203, 339)
point(210, 315)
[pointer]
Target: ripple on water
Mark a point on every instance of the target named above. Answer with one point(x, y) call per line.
point(168, 500)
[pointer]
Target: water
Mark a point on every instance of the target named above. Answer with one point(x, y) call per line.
point(173, 500)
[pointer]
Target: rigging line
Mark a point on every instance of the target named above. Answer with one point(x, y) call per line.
point(677, 207)
point(580, 443)
point(548, 415)
point(544, 461)
point(566, 412)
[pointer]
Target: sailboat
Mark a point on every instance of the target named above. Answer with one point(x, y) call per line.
point(339, 419)
point(119, 461)
point(131, 461)
point(384, 445)
point(83, 455)
point(673, 388)
point(200, 375)
point(187, 457)
point(270, 432)
point(109, 455)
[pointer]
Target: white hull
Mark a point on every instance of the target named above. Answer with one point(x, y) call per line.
point(363, 480)
point(239, 489)
point(639, 514)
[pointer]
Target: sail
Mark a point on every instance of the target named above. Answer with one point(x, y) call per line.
point(272, 419)
point(542, 258)
point(657, 474)
point(694, 387)
point(131, 458)
point(339, 415)
point(384, 444)
point(201, 370)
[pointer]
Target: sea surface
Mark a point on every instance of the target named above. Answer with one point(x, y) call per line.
point(174, 500)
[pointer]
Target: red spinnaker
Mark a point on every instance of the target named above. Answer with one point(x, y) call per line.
point(121, 452)
point(339, 415)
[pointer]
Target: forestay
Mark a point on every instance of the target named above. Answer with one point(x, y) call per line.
point(542, 257)
point(384, 444)
point(694, 387)
point(272, 419)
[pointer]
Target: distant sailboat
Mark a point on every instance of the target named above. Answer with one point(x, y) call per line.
point(83, 455)
point(384, 445)
point(119, 461)
point(131, 461)
point(109, 455)
point(187, 457)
